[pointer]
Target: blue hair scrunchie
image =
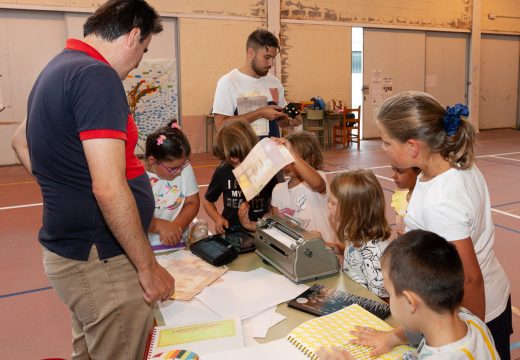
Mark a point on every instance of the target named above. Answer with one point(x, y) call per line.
point(452, 118)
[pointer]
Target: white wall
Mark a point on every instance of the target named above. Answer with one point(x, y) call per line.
point(28, 41)
point(500, 56)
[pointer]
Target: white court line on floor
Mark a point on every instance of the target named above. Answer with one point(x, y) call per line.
point(493, 155)
point(505, 213)
point(20, 206)
point(494, 210)
point(328, 172)
point(504, 158)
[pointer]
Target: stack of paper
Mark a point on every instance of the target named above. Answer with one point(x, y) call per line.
point(192, 274)
point(247, 293)
point(252, 296)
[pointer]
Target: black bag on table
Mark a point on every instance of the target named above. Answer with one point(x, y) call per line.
point(214, 250)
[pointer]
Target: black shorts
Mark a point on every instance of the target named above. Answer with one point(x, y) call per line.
point(501, 328)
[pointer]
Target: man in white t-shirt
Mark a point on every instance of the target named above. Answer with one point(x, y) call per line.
point(251, 92)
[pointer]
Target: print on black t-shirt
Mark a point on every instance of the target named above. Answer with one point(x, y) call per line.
point(223, 182)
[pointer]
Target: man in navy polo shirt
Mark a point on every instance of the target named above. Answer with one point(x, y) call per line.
point(98, 202)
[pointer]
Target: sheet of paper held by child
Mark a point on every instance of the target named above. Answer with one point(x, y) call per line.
point(191, 273)
point(250, 102)
point(261, 164)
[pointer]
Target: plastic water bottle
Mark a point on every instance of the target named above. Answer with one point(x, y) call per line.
point(199, 231)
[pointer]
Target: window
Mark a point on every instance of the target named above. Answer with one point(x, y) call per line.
point(357, 62)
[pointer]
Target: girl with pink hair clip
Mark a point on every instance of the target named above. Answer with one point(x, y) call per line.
point(176, 192)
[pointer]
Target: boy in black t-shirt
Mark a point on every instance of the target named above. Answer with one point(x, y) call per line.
point(234, 141)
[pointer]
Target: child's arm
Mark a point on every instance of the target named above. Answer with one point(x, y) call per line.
point(309, 175)
point(243, 215)
point(381, 341)
point(474, 297)
point(333, 353)
point(171, 231)
point(221, 224)
point(305, 171)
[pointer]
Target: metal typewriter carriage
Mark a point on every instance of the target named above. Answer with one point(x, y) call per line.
point(297, 253)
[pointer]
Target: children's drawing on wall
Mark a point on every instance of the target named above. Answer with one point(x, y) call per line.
point(152, 96)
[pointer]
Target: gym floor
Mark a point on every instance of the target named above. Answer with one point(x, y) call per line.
point(36, 324)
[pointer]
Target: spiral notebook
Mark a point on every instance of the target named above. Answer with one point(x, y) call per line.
point(326, 331)
point(190, 342)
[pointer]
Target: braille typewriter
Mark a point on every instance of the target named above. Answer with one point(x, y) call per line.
point(299, 254)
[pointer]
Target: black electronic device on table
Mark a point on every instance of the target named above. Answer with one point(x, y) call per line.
point(291, 110)
point(215, 250)
point(242, 240)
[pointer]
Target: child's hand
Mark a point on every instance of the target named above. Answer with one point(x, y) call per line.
point(381, 341)
point(171, 234)
point(243, 212)
point(333, 353)
point(339, 248)
point(243, 215)
point(221, 224)
point(284, 142)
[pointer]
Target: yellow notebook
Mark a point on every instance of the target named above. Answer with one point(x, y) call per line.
point(326, 331)
point(333, 330)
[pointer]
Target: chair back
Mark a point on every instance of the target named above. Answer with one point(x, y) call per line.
point(348, 120)
point(313, 121)
point(315, 114)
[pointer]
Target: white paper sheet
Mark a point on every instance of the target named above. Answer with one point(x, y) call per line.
point(280, 236)
point(258, 325)
point(260, 165)
point(249, 292)
point(278, 349)
point(177, 312)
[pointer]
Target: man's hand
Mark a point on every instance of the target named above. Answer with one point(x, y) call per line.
point(296, 121)
point(272, 112)
point(157, 284)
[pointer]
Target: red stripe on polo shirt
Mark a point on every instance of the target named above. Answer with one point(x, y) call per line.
point(102, 134)
point(134, 166)
point(75, 44)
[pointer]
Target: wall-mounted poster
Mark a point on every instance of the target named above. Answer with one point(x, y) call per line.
point(152, 96)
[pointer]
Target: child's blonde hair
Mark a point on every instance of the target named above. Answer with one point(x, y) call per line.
point(235, 139)
point(308, 147)
point(417, 115)
point(360, 214)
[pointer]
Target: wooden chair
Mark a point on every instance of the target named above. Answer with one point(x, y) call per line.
point(348, 131)
point(313, 121)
